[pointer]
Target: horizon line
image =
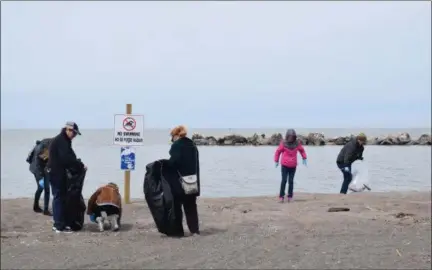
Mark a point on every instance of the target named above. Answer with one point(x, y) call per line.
point(168, 128)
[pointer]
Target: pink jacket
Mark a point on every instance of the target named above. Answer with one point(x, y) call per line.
point(289, 156)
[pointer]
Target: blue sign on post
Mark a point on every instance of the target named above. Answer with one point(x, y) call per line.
point(127, 155)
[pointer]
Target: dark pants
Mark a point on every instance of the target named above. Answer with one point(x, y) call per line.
point(108, 209)
point(38, 193)
point(287, 174)
point(347, 178)
point(191, 212)
point(59, 189)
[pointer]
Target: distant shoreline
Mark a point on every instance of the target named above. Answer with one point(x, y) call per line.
point(314, 138)
point(227, 128)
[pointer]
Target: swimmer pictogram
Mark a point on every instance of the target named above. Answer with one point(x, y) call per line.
point(129, 123)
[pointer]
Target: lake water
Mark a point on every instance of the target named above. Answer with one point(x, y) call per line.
point(225, 171)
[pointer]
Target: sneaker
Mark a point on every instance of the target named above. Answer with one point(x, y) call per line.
point(100, 223)
point(65, 230)
point(114, 223)
point(281, 199)
point(290, 199)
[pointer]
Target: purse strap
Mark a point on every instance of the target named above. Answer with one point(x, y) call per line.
point(196, 158)
point(196, 164)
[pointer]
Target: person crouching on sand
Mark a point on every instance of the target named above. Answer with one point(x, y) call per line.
point(288, 148)
point(106, 202)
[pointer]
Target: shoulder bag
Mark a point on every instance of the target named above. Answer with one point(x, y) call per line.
point(190, 182)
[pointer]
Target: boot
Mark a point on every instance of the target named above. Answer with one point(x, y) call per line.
point(37, 208)
point(47, 213)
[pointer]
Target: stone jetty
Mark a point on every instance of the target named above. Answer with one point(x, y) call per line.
point(314, 139)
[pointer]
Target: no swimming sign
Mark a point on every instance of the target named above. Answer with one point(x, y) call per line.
point(128, 130)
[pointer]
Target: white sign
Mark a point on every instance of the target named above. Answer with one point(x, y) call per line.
point(128, 129)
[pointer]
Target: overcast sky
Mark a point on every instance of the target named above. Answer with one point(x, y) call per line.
point(216, 64)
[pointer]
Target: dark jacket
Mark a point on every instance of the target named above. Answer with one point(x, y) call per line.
point(62, 156)
point(184, 158)
point(351, 152)
point(38, 159)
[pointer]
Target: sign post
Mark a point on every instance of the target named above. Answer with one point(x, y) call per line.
point(128, 131)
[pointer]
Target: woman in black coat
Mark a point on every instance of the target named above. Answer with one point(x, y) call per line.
point(184, 158)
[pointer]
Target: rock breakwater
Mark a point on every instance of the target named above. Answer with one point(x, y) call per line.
point(315, 139)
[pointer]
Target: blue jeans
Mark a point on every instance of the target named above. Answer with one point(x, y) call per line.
point(58, 186)
point(287, 174)
point(347, 178)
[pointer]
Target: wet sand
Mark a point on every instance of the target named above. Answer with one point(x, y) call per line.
point(381, 231)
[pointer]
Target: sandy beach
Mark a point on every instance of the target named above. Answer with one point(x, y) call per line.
point(381, 231)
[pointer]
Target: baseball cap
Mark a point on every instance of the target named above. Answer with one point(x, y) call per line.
point(73, 126)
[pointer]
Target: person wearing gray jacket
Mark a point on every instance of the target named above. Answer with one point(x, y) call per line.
point(38, 159)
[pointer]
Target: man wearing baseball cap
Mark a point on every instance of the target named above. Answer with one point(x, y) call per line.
point(61, 158)
point(73, 127)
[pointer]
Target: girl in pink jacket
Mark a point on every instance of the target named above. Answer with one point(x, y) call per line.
point(289, 148)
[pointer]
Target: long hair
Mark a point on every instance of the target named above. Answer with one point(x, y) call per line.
point(44, 154)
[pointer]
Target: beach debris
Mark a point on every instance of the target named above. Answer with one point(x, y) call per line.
point(403, 215)
point(338, 209)
point(398, 252)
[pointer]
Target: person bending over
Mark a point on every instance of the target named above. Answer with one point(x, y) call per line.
point(351, 152)
point(104, 204)
point(38, 159)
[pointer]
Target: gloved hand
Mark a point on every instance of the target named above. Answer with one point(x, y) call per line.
point(346, 169)
point(92, 218)
point(360, 158)
point(305, 162)
point(276, 164)
point(41, 183)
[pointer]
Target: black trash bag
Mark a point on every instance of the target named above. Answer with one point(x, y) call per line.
point(75, 206)
point(159, 198)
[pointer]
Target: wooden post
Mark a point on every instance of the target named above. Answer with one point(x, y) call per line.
point(127, 172)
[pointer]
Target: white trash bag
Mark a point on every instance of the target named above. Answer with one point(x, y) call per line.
point(360, 181)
